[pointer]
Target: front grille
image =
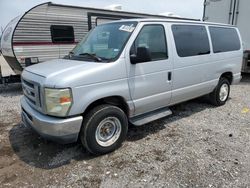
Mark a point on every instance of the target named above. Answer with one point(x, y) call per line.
point(31, 91)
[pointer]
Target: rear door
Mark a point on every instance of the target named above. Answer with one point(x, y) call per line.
point(150, 82)
point(219, 11)
point(242, 13)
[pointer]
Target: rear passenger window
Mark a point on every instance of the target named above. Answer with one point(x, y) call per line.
point(191, 40)
point(62, 34)
point(152, 37)
point(224, 39)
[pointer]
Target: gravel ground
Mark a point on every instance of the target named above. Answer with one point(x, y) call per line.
point(198, 146)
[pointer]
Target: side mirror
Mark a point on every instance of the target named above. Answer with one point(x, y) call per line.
point(143, 55)
point(66, 57)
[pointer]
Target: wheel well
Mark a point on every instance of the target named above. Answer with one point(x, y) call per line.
point(228, 76)
point(114, 100)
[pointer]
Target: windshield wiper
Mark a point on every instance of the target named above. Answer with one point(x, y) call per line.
point(69, 55)
point(93, 56)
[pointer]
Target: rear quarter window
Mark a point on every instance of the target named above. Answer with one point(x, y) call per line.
point(224, 39)
point(191, 40)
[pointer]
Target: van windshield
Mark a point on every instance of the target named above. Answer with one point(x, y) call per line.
point(104, 43)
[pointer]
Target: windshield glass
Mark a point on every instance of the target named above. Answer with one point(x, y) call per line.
point(104, 43)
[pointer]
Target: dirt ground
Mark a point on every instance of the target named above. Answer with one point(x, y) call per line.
point(198, 146)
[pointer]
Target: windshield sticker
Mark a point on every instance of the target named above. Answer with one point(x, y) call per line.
point(116, 50)
point(127, 28)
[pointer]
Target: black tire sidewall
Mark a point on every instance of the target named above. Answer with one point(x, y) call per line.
point(89, 129)
point(222, 81)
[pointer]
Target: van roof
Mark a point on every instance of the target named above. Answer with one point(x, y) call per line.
point(173, 21)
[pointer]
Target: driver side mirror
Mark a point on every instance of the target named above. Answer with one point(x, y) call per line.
point(142, 55)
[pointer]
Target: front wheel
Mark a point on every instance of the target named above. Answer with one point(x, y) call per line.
point(221, 93)
point(104, 129)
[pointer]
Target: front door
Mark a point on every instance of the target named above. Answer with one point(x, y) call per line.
point(150, 82)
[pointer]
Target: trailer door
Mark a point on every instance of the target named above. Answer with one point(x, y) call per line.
point(95, 18)
point(219, 11)
point(102, 20)
point(242, 14)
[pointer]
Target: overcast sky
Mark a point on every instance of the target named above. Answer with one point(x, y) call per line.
point(185, 8)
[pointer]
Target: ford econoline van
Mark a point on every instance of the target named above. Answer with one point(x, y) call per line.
point(129, 71)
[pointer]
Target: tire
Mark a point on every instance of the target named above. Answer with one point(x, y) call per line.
point(217, 97)
point(104, 129)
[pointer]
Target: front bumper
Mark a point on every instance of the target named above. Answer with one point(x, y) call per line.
point(52, 128)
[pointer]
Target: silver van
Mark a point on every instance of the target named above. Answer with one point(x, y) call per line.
point(129, 71)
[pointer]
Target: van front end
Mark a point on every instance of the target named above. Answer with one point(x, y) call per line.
point(46, 110)
point(62, 130)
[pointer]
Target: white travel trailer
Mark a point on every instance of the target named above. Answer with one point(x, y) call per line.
point(234, 12)
point(49, 31)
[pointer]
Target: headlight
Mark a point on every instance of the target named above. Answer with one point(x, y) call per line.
point(58, 101)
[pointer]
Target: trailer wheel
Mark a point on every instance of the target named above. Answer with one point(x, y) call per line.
point(104, 129)
point(221, 93)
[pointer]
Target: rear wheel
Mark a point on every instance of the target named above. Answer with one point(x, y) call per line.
point(221, 93)
point(104, 129)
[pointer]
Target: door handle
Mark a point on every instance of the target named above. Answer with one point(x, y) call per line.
point(169, 76)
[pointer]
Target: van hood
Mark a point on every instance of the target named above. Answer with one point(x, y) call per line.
point(72, 73)
point(58, 66)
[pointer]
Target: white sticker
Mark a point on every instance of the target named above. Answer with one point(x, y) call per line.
point(116, 50)
point(127, 28)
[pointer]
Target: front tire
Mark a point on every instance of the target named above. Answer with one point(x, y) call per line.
point(221, 93)
point(104, 129)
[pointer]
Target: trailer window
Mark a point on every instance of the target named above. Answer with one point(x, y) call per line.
point(191, 40)
point(62, 34)
point(224, 39)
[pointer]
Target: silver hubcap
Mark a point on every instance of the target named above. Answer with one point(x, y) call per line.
point(108, 131)
point(224, 92)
